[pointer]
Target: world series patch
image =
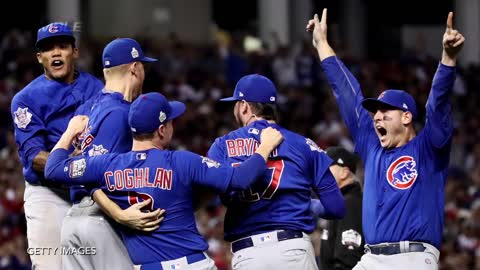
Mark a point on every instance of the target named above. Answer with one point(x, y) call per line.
point(77, 168)
point(22, 117)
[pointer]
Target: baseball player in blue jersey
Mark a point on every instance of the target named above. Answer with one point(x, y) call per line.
point(165, 177)
point(107, 132)
point(405, 172)
point(41, 112)
point(268, 224)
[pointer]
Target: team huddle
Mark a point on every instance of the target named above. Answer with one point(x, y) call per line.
point(99, 173)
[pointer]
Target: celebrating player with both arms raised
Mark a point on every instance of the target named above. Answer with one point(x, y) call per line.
point(405, 172)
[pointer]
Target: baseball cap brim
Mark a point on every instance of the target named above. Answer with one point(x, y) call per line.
point(373, 104)
point(148, 59)
point(60, 37)
point(229, 99)
point(178, 108)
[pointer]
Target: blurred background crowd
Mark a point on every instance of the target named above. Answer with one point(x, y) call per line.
point(200, 74)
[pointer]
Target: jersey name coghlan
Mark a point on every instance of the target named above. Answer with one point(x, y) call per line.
point(244, 147)
point(138, 178)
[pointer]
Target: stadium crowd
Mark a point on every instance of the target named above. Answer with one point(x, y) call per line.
point(200, 75)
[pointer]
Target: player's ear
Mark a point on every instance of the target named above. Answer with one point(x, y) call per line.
point(345, 172)
point(75, 53)
point(407, 118)
point(244, 106)
point(131, 69)
point(161, 131)
point(39, 58)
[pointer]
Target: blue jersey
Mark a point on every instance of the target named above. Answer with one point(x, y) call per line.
point(41, 112)
point(165, 177)
point(281, 198)
point(107, 131)
point(404, 187)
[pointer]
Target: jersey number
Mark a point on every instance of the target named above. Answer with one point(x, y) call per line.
point(136, 197)
point(250, 195)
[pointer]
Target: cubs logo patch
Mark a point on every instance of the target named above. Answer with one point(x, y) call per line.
point(22, 117)
point(97, 150)
point(402, 173)
point(210, 162)
point(54, 28)
point(77, 168)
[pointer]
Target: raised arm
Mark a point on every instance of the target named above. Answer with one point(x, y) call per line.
point(346, 88)
point(439, 123)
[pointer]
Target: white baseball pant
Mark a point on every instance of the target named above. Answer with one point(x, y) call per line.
point(85, 226)
point(45, 209)
point(270, 254)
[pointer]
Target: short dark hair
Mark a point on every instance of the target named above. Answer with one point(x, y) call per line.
point(143, 136)
point(268, 111)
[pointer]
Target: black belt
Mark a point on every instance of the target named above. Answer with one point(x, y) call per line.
point(394, 248)
point(281, 236)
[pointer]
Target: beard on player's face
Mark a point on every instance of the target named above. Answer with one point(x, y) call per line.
point(236, 114)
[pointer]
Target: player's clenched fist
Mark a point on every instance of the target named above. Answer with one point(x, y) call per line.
point(77, 124)
point(271, 137)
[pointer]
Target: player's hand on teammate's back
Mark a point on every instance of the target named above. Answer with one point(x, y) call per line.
point(452, 39)
point(133, 217)
point(271, 137)
point(77, 124)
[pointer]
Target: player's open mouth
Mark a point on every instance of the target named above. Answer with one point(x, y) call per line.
point(57, 63)
point(381, 131)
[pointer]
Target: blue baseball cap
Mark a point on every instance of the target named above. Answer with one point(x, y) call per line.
point(254, 88)
point(397, 99)
point(151, 110)
point(123, 51)
point(56, 29)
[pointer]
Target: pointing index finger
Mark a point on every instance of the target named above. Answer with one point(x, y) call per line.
point(324, 16)
point(450, 21)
